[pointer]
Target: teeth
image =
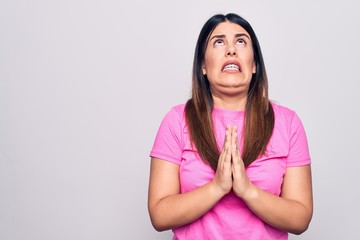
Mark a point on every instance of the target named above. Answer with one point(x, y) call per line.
point(231, 66)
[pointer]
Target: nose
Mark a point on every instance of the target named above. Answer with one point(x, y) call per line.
point(231, 51)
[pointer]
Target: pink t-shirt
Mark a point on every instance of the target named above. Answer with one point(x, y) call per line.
point(230, 218)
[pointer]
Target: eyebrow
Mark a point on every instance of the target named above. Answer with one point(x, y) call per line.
point(236, 35)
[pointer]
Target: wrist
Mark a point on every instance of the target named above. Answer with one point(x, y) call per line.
point(216, 190)
point(251, 193)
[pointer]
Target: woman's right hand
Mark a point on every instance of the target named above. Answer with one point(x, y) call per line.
point(165, 191)
point(223, 176)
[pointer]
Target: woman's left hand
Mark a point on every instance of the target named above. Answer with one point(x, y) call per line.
point(292, 211)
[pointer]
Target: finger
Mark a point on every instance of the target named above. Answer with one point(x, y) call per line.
point(228, 147)
point(226, 135)
point(227, 142)
point(226, 167)
point(221, 160)
point(223, 150)
point(224, 155)
point(236, 157)
point(234, 137)
point(224, 164)
point(238, 165)
point(227, 152)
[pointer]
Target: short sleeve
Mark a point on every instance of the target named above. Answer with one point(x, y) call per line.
point(168, 140)
point(298, 147)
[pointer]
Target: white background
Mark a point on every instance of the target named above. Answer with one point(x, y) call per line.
point(85, 84)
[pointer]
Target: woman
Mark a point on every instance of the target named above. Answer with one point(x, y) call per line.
point(230, 164)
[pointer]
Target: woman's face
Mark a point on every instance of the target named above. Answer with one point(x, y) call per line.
point(229, 60)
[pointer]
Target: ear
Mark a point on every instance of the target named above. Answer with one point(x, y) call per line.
point(254, 67)
point(203, 70)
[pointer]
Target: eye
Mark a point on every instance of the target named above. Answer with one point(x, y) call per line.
point(218, 42)
point(241, 41)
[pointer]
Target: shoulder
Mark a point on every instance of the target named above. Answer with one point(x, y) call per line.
point(286, 118)
point(176, 112)
point(175, 117)
point(285, 114)
point(179, 108)
point(282, 111)
point(169, 140)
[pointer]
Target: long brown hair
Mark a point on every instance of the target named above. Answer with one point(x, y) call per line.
point(259, 115)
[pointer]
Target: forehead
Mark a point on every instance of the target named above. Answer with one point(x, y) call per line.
point(228, 28)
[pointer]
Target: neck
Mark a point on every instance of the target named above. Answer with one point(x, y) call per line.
point(235, 103)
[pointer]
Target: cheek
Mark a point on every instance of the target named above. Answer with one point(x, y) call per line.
point(212, 65)
point(251, 65)
point(211, 60)
point(207, 67)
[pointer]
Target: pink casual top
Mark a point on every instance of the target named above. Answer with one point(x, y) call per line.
point(230, 218)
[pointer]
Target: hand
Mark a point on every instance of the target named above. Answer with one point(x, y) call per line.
point(241, 185)
point(223, 178)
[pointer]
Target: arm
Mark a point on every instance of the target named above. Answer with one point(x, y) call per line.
point(290, 212)
point(168, 208)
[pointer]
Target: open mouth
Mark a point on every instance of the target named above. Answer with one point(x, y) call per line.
point(231, 67)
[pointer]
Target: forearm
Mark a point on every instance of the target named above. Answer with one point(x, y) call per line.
point(285, 214)
point(180, 209)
